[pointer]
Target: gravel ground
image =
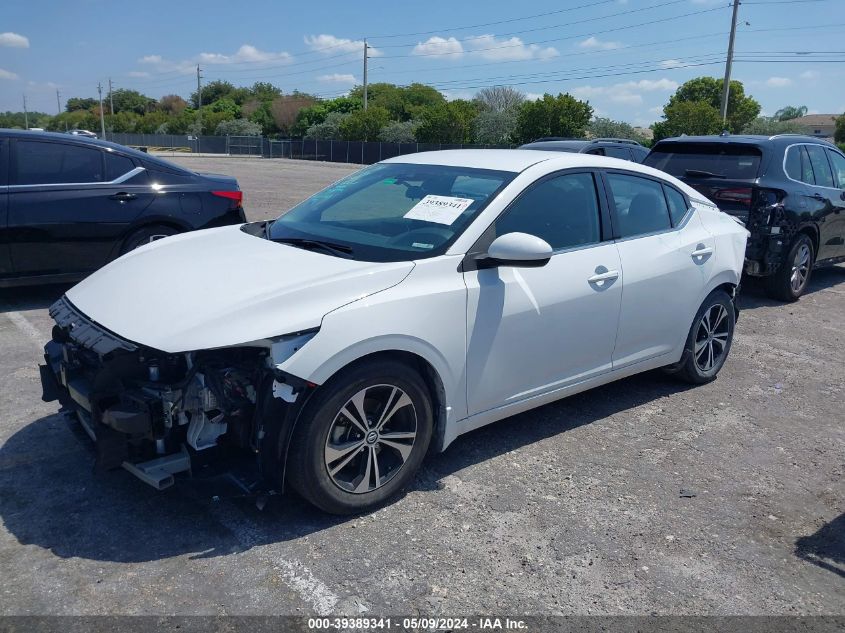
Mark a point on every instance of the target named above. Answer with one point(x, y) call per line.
point(644, 496)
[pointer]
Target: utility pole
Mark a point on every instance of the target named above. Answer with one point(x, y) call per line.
point(59, 101)
point(102, 117)
point(25, 114)
point(199, 106)
point(111, 101)
point(726, 89)
point(365, 73)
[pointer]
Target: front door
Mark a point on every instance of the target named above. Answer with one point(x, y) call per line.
point(824, 200)
point(533, 330)
point(66, 214)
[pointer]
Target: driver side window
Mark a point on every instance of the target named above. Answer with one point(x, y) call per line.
point(562, 210)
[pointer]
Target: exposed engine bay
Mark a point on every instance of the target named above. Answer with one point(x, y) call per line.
point(154, 413)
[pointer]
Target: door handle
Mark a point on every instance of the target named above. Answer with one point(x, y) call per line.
point(818, 196)
point(123, 196)
point(701, 251)
point(599, 277)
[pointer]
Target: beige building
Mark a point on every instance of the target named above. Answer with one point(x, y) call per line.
point(819, 125)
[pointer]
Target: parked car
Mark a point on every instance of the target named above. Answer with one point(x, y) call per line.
point(411, 302)
point(788, 189)
point(623, 148)
point(85, 133)
point(70, 205)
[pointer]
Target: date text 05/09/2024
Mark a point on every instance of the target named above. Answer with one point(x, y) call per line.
point(417, 623)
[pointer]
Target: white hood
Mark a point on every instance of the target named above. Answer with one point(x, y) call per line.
point(222, 287)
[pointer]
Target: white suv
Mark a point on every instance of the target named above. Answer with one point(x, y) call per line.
point(411, 302)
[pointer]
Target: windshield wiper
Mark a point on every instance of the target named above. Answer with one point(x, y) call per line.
point(309, 244)
point(700, 173)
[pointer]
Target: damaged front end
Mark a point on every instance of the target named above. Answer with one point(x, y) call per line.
point(157, 414)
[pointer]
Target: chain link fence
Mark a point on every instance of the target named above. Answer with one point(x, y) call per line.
point(359, 152)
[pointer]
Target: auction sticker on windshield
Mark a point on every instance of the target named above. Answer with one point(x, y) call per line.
point(439, 209)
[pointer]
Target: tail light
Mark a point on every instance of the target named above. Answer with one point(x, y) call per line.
point(737, 196)
point(237, 197)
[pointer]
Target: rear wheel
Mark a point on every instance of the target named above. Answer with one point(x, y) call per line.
point(362, 439)
point(145, 235)
point(790, 281)
point(709, 340)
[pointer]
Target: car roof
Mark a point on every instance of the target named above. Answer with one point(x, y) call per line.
point(749, 139)
point(513, 160)
point(87, 141)
point(552, 144)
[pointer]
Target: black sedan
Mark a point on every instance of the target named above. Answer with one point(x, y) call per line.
point(69, 205)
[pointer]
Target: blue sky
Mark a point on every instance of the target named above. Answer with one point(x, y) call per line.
point(625, 56)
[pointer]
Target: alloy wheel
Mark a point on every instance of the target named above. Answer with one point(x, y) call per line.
point(800, 269)
point(711, 339)
point(371, 438)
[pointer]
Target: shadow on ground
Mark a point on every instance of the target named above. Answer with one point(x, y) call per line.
point(51, 498)
point(825, 548)
point(753, 294)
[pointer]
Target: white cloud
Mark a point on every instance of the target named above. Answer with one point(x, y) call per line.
point(810, 74)
point(439, 46)
point(246, 53)
point(670, 63)
point(138, 73)
point(5, 74)
point(778, 82)
point(658, 110)
point(151, 59)
point(628, 93)
point(533, 96)
point(14, 40)
point(338, 78)
point(512, 49)
point(597, 44)
point(331, 45)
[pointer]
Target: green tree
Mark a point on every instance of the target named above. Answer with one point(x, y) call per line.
point(328, 129)
point(607, 128)
point(226, 104)
point(399, 132)
point(790, 112)
point(79, 103)
point(238, 127)
point(130, 101)
point(769, 126)
point(172, 104)
point(450, 122)
point(688, 117)
point(563, 115)
point(364, 125)
point(264, 91)
point(741, 109)
point(839, 133)
point(495, 127)
point(213, 91)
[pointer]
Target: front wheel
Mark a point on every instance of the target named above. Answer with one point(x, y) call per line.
point(790, 281)
point(709, 340)
point(145, 235)
point(362, 439)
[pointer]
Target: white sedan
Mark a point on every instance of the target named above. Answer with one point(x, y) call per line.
point(413, 301)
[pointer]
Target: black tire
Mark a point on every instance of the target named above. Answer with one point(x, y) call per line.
point(145, 235)
point(693, 366)
point(323, 426)
point(801, 256)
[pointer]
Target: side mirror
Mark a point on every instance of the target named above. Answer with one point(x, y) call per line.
point(519, 249)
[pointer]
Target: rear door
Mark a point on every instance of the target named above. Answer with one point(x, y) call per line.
point(667, 257)
point(837, 163)
point(5, 260)
point(618, 151)
point(69, 205)
point(824, 201)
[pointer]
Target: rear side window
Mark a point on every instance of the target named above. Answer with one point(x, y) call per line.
point(821, 168)
point(117, 165)
point(734, 161)
point(40, 163)
point(837, 161)
point(618, 152)
point(677, 205)
point(640, 205)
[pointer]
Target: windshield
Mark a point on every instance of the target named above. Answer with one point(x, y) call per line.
point(733, 161)
point(391, 211)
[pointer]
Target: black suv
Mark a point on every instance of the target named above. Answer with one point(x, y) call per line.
point(788, 189)
point(69, 204)
point(614, 147)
